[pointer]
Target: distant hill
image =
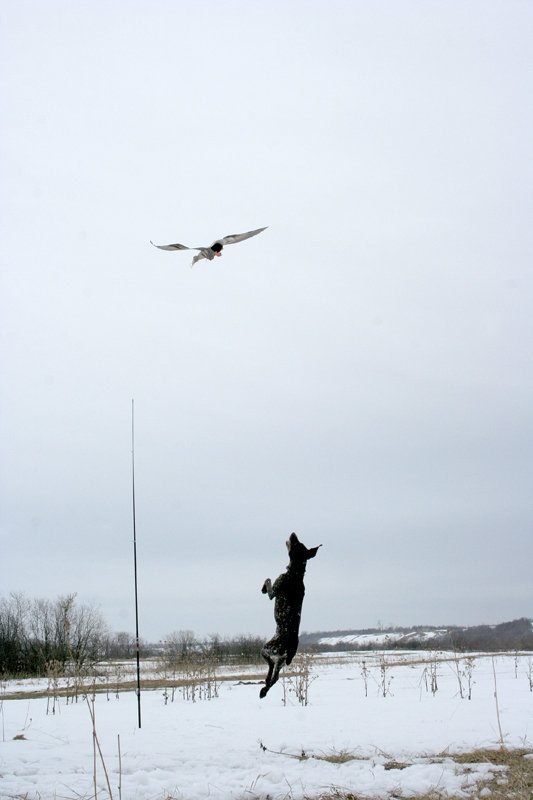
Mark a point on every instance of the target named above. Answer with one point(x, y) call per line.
point(515, 635)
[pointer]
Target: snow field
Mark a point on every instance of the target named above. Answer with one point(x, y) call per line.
point(238, 746)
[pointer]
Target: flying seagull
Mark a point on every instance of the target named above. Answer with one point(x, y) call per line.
point(213, 250)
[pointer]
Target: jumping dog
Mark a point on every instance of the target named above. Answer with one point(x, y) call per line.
point(288, 590)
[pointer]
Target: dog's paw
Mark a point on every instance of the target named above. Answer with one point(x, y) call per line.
point(263, 692)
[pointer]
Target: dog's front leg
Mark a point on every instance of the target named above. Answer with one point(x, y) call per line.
point(267, 588)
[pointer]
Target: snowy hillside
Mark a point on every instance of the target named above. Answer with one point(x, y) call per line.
point(511, 636)
point(364, 640)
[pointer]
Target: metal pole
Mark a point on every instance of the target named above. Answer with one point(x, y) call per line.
point(135, 567)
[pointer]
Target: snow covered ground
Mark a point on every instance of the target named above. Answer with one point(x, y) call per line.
point(238, 746)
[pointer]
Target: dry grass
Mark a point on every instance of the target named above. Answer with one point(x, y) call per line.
point(396, 765)
point(515, 782)
point(147, 684)
point(338, 756)
point(518, 774)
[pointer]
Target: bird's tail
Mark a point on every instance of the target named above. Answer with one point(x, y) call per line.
point(196, 258)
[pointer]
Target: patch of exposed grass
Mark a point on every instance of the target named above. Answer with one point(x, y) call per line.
point(342, 756)
point(514, 782)
point(147, 684)
point(337, 756)
point(396, 765)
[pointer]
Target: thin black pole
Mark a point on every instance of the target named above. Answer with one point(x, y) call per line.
point(135, 567)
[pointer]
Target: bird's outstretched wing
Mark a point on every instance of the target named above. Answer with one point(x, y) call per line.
point(175, 247)
point(210, 252)
point(240, 237)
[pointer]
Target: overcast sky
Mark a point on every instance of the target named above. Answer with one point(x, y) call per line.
point(360, 373)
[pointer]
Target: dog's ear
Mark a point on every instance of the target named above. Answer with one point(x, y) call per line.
point(292, 541)
point(312, 551)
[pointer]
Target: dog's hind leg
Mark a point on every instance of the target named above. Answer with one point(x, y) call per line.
point(266, 655)
point(279, 663)
point(275, 663)
point(264, 690)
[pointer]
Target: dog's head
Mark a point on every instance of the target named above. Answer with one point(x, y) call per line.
point(298, 552)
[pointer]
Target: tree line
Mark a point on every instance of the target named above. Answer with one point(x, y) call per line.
point(38, 633)
point(182, 647)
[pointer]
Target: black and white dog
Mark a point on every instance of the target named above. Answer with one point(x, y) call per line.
point(288, 590)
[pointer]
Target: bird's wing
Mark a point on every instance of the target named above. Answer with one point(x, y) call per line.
point(240, 237)
point(173, 246)
point(176, 247)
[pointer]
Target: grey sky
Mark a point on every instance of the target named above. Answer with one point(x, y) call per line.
point(360, 373)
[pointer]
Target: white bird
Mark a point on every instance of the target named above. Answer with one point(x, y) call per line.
point(213, 250)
